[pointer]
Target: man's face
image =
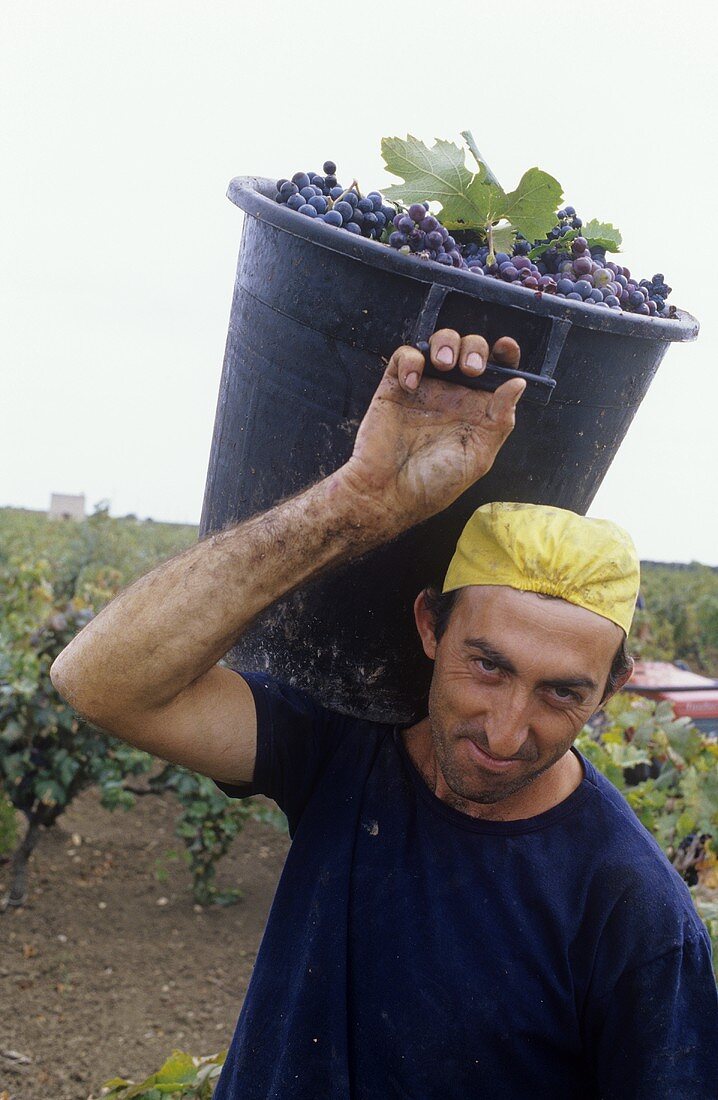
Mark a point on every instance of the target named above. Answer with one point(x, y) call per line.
point(517, 676)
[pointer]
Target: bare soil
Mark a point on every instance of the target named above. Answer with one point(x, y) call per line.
point(110, 965)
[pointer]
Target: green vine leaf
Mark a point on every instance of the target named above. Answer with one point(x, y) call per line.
point(602, 235)
point(440, 175)
point(531, 208)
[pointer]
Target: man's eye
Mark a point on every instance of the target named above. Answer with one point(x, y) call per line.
point(565, 694)
point(487, 665)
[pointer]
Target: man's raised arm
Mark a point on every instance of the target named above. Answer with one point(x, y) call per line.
point(145, 668)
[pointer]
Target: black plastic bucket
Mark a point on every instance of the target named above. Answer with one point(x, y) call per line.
point(315, 314)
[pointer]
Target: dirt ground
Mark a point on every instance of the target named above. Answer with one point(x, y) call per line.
point(110, 965)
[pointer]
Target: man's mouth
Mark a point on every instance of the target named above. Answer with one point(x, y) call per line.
point(487, 761)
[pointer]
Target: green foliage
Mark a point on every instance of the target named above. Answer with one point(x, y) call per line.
point(680, 619)
point(470, 200)
point(668, 773)
point(602, 235)
point(182, 1075)
point(8, 826)
point(49, 753)
point(208, 824)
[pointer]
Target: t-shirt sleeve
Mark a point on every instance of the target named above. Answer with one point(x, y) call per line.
point(655, 1036)
point(296, 737)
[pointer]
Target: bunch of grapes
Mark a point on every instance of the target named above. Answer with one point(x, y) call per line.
point(567, 268)
point(418, 231)
point(584, 274)
point(323, 198)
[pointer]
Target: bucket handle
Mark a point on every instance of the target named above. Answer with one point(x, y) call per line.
point(539, 387)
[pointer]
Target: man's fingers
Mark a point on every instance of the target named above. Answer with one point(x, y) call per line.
point(506, 352)
point(409, 364)
point(473, 355)
point(444, 347)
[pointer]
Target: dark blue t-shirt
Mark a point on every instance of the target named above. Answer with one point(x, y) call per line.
point(414, 952)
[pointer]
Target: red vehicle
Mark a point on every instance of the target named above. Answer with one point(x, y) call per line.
point(691, 696)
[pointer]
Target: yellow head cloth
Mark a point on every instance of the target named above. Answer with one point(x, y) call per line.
point(536, 548)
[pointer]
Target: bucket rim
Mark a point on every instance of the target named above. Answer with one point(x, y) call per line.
point(254, 195)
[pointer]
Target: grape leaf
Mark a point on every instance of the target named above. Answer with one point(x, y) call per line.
point(503, 238)
point(531, 208)
point(602, 235)
point(440, 174)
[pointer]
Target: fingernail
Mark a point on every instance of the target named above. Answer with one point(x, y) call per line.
point(445, 355)
point(474, 360)
point(412, 380)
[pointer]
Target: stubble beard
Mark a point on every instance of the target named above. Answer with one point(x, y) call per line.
point(476, 786)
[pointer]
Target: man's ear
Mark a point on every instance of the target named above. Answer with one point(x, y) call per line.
point(425, 625)
point(621, 682)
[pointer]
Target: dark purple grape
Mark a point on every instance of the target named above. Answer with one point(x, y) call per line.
point(295, 201)
point(329, 168)
point(365, 205)
point(570, 212)
point(582, 265)
point(397, 240)
point(579, 245)
point(308, 210)
point(280, 184)
point(319, 203)
point(430, 224)
point(636, 299)
point(582, 287)
point(332, 217)
point(574, 297)
point(417, 212)
point(301, 179)
point(353, 227)
point(344, 209)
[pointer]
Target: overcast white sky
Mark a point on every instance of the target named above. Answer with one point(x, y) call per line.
point(121, 125)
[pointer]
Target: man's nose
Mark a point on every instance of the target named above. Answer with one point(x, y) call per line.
point(507, 726)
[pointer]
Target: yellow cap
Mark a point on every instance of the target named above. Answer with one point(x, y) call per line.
point(537, 548)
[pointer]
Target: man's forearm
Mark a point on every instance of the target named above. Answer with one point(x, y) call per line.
point(173, 624)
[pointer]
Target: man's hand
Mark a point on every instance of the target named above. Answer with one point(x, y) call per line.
point(422, 441)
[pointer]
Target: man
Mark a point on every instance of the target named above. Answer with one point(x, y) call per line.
point(467, 909)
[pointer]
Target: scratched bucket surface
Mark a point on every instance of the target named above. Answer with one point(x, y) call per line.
point(316, 312)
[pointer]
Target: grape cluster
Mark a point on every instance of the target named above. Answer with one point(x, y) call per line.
point(582, 273)
point(323, 198)
point(564, 265)
point(418, 231)
point(567, 269)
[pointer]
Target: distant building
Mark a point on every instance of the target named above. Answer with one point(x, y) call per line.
point(66, 506)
